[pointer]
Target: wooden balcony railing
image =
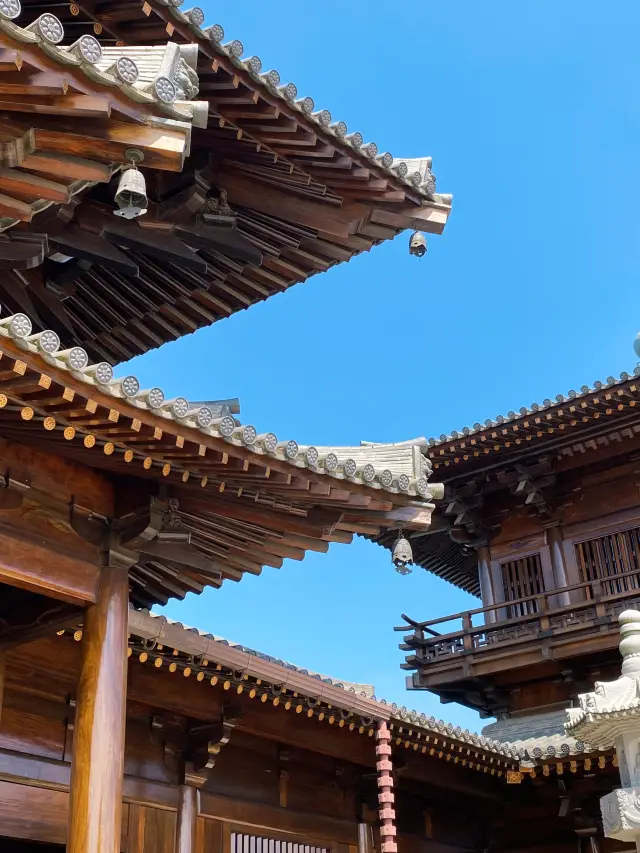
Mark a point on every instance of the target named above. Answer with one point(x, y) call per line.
point(594, 604)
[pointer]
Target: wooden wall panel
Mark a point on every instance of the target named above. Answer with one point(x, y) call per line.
point(144, 755)
point(212, 836)
point(31, 733)
point(40, 814)
point(33, 813)
point(150, 830)
point(307, 825)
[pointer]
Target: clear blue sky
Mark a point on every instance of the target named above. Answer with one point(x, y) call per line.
point(530, 110)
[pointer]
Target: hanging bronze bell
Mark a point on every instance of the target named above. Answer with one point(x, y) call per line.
point(401, 555)
point(418, 244)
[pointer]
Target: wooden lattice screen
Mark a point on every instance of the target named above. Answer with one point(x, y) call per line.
point(613, 554)
point(242, 843)
point(521, 578)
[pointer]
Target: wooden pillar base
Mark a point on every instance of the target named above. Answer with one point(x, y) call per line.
point(95, 804)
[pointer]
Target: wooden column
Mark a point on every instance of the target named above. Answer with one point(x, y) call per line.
point(556, 551)
point(186, 822)
point(486, 587)
point(95, 803)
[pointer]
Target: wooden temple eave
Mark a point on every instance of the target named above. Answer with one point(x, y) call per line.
point(47, 92)
point(523, 466)
point(297, 715)
point(226, 500)
point(158, 642)
point(297, 209)
point(587, 415)
point(116, 411)
point(258, 100)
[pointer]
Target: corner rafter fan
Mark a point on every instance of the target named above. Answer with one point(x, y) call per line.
point(131, 195)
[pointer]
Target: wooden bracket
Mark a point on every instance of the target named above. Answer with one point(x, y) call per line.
point(201, 755)
point(145, 523)
point(191, 750)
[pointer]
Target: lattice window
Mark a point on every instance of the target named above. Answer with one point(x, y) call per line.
point(613, 554)
point(242, 843)
point(522, 578)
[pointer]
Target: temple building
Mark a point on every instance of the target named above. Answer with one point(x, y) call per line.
point(153, 180)
point(541, 520)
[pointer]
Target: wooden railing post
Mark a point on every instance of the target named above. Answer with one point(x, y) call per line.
point(543, 607)
point(467, 626)
point(95, 803)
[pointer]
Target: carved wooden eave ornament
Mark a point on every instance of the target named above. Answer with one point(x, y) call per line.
point(611, 714)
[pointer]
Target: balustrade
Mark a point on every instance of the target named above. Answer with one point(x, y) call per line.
point(540, 615)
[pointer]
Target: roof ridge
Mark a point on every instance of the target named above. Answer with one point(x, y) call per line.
point(525, 411)
point(415, 173)
point(409, 472)
point(391, 710)
point(364, 689)
point(88, 55)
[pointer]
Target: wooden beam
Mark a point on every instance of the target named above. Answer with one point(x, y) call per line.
point(16, 254)
point(55, 775)
point(220, 239)
point(80, 106)
point(95, 803)
point(79, 243)
point(16, 141)
point(38, 568)
point(31, 83)
point(431, 217)
point(164, 148)
point(22, 183)
point(62, 481)
point(10, 60)
point(314, 827)
point(341, 221)
point(67, 166)
point(160, 244)
point(14, 208)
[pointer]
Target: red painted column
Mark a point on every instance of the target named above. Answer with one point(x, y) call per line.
point(386, 797)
